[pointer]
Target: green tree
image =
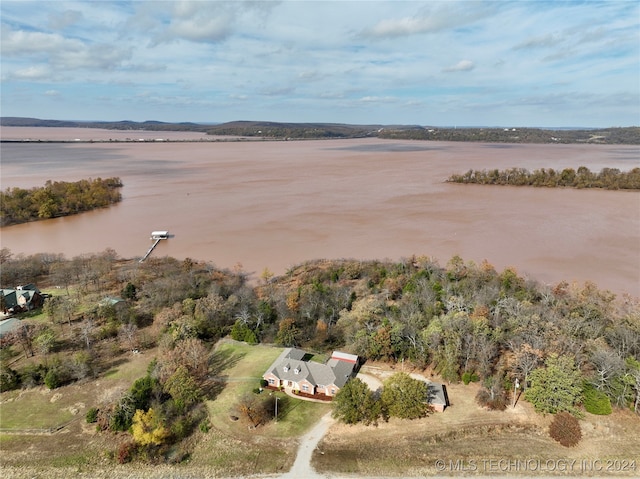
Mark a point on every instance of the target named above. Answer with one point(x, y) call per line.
point(183, 388)
point(355, 403)
point(405, 397)
point(44, 342)
point(556, 387)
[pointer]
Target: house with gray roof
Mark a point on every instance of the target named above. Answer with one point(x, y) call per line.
point(293, 370)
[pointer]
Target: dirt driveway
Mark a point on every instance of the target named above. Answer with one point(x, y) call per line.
point(308, 443)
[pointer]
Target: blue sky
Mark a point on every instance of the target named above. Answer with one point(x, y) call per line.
point(475, 63)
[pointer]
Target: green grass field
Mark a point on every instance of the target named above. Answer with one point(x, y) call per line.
point(230, 448)
point(247, 364)
point(41, 408)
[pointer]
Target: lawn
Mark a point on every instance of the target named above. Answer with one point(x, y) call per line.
point(230, 447)
point(42, 408)
point(246, 364)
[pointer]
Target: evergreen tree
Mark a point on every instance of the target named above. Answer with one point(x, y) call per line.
point(556, 387)
point(405, 397)
point(355, 403)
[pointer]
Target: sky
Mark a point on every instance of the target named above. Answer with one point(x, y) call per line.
point(449, 63)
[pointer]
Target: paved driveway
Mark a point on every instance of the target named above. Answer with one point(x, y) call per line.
point(373, 382)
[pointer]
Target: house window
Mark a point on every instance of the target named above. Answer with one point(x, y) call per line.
point(272, 381)
point(305, 388)
point(333, 391)
point(286, 369)
point(296, 370)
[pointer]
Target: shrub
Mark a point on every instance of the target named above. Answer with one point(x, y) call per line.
point(264, 383)
point(565, 429)
point(594, 401)
point(496, 403)
point(52, 379)
point(9, 379)
point(33, 375)
point(126, 451)
point(468, 377)
point(92, 415)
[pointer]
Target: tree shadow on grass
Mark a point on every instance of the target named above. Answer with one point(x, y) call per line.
point(109, 368)
point(222, 360)
point(285, 406)
point(218, 362)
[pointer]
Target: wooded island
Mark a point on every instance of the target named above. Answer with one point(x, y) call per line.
point(58, 198)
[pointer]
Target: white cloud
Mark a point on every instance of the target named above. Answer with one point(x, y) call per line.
point(35, 72)
point(432, 18)
point(542, 41)
point(61, 53)
point(62, 20)
point(377, 99)
point(461, 66)
point(52, 93)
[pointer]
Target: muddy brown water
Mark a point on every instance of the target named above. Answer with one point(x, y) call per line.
point(276, 204)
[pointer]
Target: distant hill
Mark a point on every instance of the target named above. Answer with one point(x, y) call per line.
point(107, 125)
point(269, 129)
point(608, 136)
point(280, 130)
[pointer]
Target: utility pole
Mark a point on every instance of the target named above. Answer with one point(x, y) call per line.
point(277, 408)
point(516, 386)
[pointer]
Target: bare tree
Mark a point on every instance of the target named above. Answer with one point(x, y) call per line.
point(608, 365)
point(87, 328)
point(128, 333)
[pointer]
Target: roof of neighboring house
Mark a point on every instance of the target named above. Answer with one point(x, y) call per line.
point(352, 358)
point(290, 366)
point(8, 325)
point(10, 298)
point(437, 394)
point(110, 301)
point(29, 287)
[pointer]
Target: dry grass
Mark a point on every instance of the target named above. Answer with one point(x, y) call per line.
point(228, 449)
point(468, 432)
point(398, 448)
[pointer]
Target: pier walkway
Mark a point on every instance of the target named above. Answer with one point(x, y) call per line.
point(153, 246)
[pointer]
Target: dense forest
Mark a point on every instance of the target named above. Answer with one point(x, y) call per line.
point(463, 321)
point(58, 198)
point(608, 178)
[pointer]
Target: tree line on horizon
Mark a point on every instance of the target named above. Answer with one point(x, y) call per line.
point(57, 198)
point(607, 178)
point(610, 136)
point(281, 130)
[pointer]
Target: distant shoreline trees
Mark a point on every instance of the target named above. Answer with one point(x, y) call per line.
point(608, 178)
point(58, 198)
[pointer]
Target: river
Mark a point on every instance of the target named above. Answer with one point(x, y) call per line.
point(275, 204)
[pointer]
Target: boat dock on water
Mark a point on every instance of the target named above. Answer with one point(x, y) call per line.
point(156, 236)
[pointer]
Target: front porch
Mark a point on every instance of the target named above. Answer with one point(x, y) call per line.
point(290, 391)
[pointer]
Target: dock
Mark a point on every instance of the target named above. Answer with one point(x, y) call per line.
point(157, 236)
